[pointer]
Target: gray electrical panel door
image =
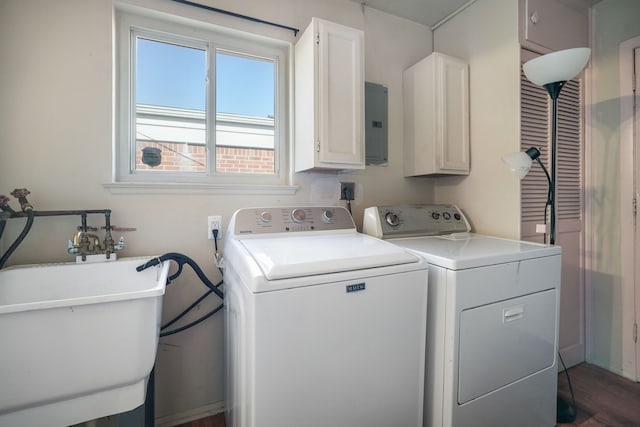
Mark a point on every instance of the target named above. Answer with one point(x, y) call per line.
point(376, 121)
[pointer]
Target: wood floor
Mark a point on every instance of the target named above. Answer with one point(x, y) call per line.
point(213, 421)
point(603, 399)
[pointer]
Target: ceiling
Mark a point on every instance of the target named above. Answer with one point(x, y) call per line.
point(427, 12)
point(433, 12)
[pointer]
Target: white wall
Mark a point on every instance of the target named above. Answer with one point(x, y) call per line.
point(486, 36)
point(614, 21)
point(56, 136)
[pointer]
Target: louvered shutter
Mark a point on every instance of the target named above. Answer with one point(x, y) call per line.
point(535, 131)
point(570, 153)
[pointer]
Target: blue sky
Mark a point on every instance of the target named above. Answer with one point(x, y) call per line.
point(175, 76)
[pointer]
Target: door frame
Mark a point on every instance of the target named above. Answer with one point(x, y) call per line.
point(628, 193)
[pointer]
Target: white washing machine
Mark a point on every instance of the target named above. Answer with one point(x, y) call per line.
point(492, 328)
point(324, 326)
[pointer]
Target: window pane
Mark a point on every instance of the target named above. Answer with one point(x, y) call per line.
point(170, 88)
point(245, 105)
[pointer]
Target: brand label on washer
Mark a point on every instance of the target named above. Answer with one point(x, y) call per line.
point(355, 288)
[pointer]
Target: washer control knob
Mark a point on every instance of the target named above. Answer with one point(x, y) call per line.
point(457, 216)
point(435, 215)
point(392, 219)
point(446, 215)
point(327, 216)
point(265, 217)
point(298, 215)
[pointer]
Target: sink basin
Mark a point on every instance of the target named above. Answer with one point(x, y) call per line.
point(78, 340)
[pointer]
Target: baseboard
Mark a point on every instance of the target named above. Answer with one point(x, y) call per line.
point(572, 355)
point(606, 364)
point(190, 415)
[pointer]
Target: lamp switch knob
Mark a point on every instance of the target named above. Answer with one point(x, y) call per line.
point(541, 228)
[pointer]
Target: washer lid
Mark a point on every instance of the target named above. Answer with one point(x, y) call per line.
point(467, 250)
point(298, 256)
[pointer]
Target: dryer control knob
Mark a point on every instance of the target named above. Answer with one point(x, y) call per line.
point(392, 219)
point(327, 216)
point(265, 216)
point(298, 215)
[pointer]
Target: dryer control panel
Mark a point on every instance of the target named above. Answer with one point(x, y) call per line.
point(290, 219)
point(388, 222)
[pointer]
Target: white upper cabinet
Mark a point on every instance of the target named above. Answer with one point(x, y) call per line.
point(329, 97)
point(550, 25)
point(436, 117)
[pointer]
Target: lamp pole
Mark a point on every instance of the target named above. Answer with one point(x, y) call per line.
point(554, 91)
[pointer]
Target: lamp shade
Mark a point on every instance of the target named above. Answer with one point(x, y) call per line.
point(558, 66)
point(519, 163)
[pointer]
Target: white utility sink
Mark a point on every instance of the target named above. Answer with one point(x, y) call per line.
point(78, 340)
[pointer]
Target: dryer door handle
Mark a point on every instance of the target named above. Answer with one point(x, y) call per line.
point(512, 313)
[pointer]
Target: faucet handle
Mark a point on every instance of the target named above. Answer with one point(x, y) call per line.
point(21, 194)
point(4, 204)
point(88, 228)
point(71, 248)
point(119, 245)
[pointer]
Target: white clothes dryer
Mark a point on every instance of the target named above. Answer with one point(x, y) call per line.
point(492, 328)
point(324, 326)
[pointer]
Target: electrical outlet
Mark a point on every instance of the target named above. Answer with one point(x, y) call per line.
point(347, 190)
point(214, 223)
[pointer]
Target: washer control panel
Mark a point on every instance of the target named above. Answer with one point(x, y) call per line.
point(414, 220)
point(291, 219)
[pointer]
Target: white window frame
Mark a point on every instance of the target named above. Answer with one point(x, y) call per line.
point(201, 35)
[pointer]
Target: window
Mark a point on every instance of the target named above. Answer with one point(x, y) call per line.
point(198, 104)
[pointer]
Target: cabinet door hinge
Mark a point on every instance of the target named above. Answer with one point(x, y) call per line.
point(318, 38)
point(635, 332)
point(318, 147)
point(634, 207)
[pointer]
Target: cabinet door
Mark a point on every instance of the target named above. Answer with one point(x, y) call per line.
point(340, 96)
point(553, 25)
point(436, 117)
point(453, 116)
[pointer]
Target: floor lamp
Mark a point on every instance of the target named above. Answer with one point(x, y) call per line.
point(551, 71)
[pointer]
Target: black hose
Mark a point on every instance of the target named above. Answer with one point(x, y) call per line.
point(20, 238)
point(3, 223)
point(175, 275)
point(194, 323)
point(186, 310)
point(182, 259)
point(150, 400)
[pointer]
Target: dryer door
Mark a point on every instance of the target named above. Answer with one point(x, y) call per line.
point(503, 342)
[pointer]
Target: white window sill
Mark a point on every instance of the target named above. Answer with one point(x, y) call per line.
point(191, 188)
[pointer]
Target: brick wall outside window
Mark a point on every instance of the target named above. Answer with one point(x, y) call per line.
point(244, 160)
